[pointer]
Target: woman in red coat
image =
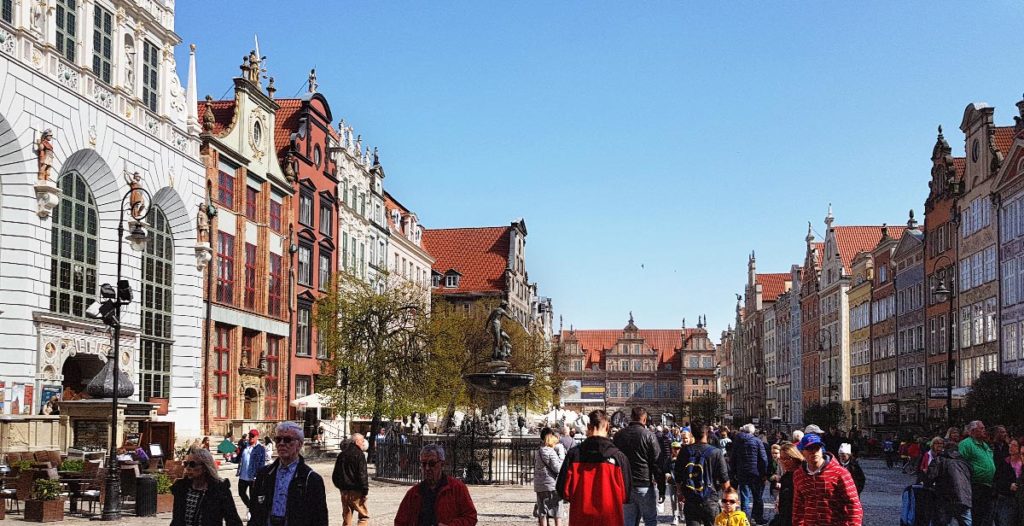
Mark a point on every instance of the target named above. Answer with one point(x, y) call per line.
point(439, 499)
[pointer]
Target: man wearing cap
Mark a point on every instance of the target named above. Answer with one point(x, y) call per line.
point(252, 457)
point(824, 493)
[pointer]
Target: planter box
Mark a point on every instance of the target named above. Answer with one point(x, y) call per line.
point(164, 503)
point(44, 510)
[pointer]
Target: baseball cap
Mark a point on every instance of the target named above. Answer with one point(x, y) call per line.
point(254, 432)
point(813, 429)
point(810, 439)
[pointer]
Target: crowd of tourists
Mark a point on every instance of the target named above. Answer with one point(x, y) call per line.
point(706, 476)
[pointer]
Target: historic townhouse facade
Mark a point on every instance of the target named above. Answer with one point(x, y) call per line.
point(90, 97)
point(783, 359)
point(248, 326)
point(616, 370)
point(794, 363)
point(471, 264)
point(306, 145)
point(724, 377)
point(978, 288)
point(884, 322)
point(760, 295)
point(810, 321)
point(841, 244)
point(940, 241)
point(697, 363)
point(363, 225)
point(768, 325)
point(409, 260)
point(1009, 193)
point(911, 382)
point(859, 301)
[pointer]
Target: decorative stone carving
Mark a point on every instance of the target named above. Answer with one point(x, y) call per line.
point(103, 97)
point(129, 65)
point(38, 16)
point(180, 141)
point(7, 43)
point(151, 123)
point(257, 134)
point(47, 198)
point(67, 75)
point(312, 81)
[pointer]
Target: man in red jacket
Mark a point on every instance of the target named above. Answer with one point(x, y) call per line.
point(823, 491)
point(595, 478)
point(439, 499)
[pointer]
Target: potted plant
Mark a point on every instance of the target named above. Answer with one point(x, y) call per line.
point(164, 499)
point(72, 465)
point(46, 504)
point(26, 475)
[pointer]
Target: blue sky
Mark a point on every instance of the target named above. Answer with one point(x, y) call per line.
point(650, 146)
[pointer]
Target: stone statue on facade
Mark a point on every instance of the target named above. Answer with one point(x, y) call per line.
point(312, 81)
point(129, 66)
point(136, 202)
point(44, 154)
point(202, 225)
point(38, 11)
point(255, 69)
point(208, 118)
point(502, 344)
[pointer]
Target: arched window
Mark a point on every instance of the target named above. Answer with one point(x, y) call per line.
point(73, 248)
point(157, 297)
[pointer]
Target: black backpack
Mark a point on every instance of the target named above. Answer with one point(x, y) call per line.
point(696, 474)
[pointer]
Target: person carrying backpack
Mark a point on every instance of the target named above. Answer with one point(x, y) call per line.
point(701, 475)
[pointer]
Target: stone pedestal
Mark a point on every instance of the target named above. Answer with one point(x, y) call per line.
point(90, 420)
point(47, 198)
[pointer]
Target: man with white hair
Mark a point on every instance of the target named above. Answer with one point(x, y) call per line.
point(797, 435)
point(288, 491)
point(748, 468)
point(351, 478)
point(978, 454)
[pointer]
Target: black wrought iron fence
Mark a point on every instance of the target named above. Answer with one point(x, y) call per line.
point(470, 457)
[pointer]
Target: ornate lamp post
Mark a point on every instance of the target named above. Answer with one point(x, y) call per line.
point(944, 292)
point(109, 382)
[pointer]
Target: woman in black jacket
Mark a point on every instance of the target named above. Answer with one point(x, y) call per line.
point(201, 497)
point(1007, 483)
point(790, 460)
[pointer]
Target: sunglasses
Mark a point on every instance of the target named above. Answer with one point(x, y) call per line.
point(430, 464)
point(191, 464)
point(284, 440)
point(728, 501)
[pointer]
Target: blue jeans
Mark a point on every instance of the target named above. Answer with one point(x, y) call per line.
point(642, 503)
point(752, 499)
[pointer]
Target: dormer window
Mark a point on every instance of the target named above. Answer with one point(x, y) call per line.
point(435, 279)
point(451, 279)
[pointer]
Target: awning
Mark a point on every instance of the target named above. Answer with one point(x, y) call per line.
point(313, 401)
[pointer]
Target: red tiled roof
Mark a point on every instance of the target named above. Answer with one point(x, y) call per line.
point(1004, 138)
point(960, 165)
point(853, 239)
point(389, 205)
point(594, 343)
point(773, 285)
point(480, 255)
point(286, 123)
point(223, 113)
point(819, 251)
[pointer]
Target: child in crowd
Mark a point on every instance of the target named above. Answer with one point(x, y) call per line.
point(731, 514)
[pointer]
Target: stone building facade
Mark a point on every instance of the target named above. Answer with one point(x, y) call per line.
point(911, 382)
point(977, 283)
point(112, 113)
point(305, 143)
point(1009, 194)
point(408, 259)
point(884, 320)
point(249, 278)
point(940, 239)
point(859, 301)
point(615, 370)
point(364, 229)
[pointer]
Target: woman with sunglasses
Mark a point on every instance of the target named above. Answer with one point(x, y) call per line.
point(201, 497)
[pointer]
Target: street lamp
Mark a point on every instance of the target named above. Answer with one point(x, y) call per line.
point(942, 293)
point(137, 202)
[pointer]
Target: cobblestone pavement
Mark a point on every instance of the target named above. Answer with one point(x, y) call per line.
point(514, 505)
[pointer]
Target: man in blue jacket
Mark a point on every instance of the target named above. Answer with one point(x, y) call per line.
point(250, 459)
point(748, 468)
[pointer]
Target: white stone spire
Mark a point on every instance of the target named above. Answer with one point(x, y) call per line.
point(191, 95)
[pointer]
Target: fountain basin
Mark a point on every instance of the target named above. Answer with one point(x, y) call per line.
point(498, 382)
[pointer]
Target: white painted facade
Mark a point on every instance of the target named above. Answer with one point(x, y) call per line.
point(102, 129)
point(406, 257)
point(361, 216)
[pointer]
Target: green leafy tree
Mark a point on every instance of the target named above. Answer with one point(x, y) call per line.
point(994, 399)
point(708, 408)
point(825, 415)
point(378, 335)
